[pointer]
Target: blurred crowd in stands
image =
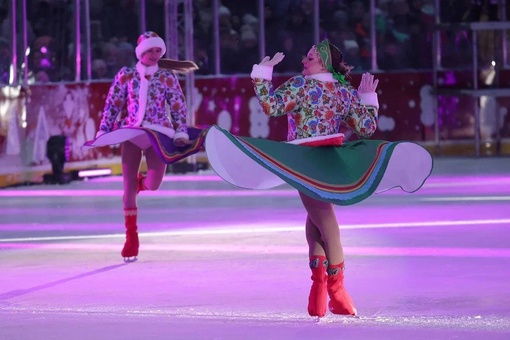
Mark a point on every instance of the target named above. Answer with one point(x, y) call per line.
point(403, 31)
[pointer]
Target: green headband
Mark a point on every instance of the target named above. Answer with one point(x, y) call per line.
point(325, 54)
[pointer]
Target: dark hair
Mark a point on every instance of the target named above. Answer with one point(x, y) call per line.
point(337, 61)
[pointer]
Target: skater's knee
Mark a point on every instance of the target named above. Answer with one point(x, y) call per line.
point(151, 185)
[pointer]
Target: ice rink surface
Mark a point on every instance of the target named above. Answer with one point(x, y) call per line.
point(218, 262)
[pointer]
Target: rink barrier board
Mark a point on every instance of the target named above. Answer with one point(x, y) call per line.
point(30, 116)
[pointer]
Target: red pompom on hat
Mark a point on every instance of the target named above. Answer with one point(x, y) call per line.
point(149, 40)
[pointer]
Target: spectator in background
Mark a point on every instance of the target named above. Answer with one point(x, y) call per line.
point(453, 11)
point(229, 52)
point(249, 49)
point(42, 77)
point(352, 54)
point(43, 58)
point(224, 19)
point(99, 69)
point(6, 33)
point(203, 18)
point(125, 55)
point(202, 58)
point(119, 19)
point(421, 21)
point(96, 39)
point(5, 61)
point(109, 56)
point(251, 21)
point(357, 11)
point(477, 7)
point(273, 26)
point(327, 9)
point(363, 38)
point(292, 61)
point(299, 25)
point(341, 30)
point(392, 55)
point(155, 9)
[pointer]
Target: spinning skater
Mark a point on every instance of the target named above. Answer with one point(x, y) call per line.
point(316, 161)
point(145, 90)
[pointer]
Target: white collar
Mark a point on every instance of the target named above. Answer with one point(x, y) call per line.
point(146, 70)
point(322, 77)
point(143, 90)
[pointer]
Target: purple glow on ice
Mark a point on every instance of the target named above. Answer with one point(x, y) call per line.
point(160, 193)
point(170, 178)
point(274, 249)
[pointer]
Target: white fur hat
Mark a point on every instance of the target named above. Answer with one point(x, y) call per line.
point(149, 40)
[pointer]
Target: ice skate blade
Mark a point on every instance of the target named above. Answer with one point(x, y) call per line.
point(130, 259)
point(316, 319)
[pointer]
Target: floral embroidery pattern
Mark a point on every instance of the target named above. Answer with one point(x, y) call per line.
point(316, 108)
point(163, 88)
point(315, 95)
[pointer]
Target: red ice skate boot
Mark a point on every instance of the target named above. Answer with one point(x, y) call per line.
point(340, 301)
point(141, 186)
point(318, 293)
point(130, 250)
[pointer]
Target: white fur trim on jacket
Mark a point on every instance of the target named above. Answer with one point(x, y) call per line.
point(322, 77)
point(181, 135)
point(143, 90)
point(150, 43)
point(369, 99)
point(262, 71)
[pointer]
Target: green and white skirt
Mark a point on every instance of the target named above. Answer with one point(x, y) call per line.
point(341, 175)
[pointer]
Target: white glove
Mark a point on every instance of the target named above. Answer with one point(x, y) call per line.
point(367, 84)
point(278, 57)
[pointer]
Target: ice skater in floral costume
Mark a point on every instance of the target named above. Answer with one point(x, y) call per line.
point(144, 91)
point(325, 169)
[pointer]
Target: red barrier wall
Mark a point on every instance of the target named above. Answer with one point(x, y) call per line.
point(29, 117)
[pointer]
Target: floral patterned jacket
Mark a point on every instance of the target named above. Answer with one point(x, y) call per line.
point(316, 106)
point(163, 88)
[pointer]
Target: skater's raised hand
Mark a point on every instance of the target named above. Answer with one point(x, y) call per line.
point(278, 57)
point(367, 84)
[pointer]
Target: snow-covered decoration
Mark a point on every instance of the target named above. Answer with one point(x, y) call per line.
point(211, 106)
point(224, 120)
point(76, 120)
point(13, 141)
point(427, 100)
point(41, 136)
point(259, 121)
point(197, 100)
point(488, 113)
point(385, 123)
